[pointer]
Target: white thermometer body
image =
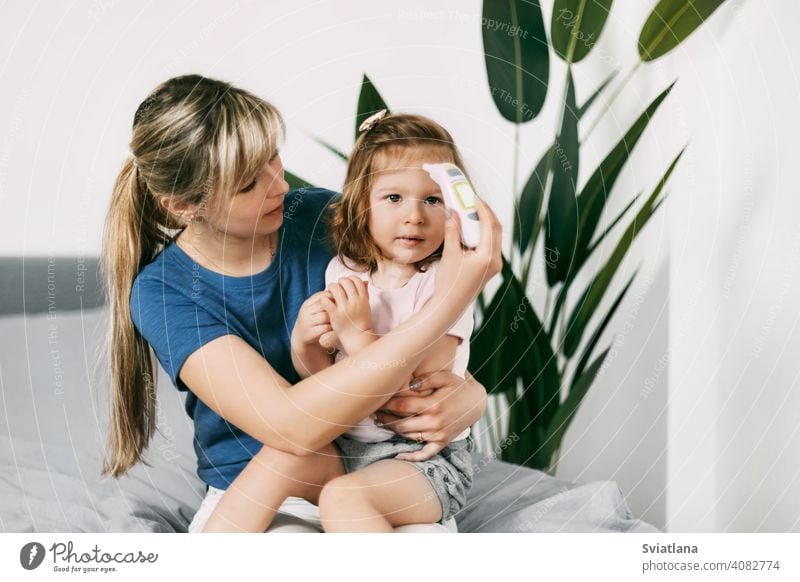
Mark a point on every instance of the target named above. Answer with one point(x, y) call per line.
point(458, 197)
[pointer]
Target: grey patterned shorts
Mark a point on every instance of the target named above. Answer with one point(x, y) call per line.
point(449, 472)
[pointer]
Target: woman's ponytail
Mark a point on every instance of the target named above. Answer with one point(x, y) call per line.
point(134, 234)
point(194, 141)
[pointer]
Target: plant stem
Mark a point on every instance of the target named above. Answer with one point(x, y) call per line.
point(611, 99)
point(515, 194)
point(516, 160)
point(553, 465)
point(562, 324)
point(525, 269)
point(496, 426)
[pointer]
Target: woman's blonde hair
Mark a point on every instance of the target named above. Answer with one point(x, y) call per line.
point(393, 138)
point(195, 141)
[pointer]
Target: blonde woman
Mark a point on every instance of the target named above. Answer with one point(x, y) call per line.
point(208, 261)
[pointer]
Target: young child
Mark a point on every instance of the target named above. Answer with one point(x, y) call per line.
point(388, 230)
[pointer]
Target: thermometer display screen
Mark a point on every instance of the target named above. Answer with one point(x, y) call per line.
point(466, 195)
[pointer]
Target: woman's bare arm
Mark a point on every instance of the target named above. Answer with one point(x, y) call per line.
point(238, 384)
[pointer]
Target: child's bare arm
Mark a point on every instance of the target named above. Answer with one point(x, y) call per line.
point(439, 357)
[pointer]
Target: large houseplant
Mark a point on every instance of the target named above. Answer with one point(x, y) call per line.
point(542, 365)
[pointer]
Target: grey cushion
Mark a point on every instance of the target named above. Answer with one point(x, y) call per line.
point(52, 437)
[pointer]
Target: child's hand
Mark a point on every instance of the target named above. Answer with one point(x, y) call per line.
point(463, 273)
point(348, 308)
point(312, 321)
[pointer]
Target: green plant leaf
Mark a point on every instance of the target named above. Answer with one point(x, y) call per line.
point(541, 379)
point(591, 298)
point(541, 400)
point(369, 102)
point(517, 446)
point(576, 25)
point(511, 343)
point(595, 193)
point(338, 153)
point(670, 23)
point(587, 351)
point(517, 57)
point(487, 358)
point(524, 444)
point(480, 305)
point(611, 226)
point(592, 199)
point(588, 103)
point(567, 284)
point(561, 234)
point(295, 182)
point(491, 359)
point(528, 218)
point(566, 412)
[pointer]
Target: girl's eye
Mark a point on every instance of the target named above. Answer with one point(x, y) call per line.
point(433, 200)
point(249, 187)
point(393, 197)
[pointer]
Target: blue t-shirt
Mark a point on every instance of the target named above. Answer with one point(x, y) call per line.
point(179, 306)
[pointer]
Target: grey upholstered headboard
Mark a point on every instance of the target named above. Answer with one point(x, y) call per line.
point(42, 284)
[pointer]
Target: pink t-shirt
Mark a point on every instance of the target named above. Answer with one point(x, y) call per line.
point(390, 308)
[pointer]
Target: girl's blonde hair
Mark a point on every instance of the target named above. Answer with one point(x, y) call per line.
point(195, 141)
point(395, 137)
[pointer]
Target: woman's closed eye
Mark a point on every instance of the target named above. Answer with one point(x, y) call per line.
point(252, 184)
point(249, 187)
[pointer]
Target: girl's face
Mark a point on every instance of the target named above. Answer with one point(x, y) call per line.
point(258, 209)
point(406, 215)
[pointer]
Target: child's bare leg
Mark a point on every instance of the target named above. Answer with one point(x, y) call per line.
point(378, 497)
point(250, 503)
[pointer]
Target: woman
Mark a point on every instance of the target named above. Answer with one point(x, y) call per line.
point(206, 263)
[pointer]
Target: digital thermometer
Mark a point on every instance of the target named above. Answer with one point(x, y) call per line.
point(458, 197)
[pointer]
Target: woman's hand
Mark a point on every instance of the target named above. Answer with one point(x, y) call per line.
point(349, 312)
point(439, 409)
point(312, 321)
point(462, 273)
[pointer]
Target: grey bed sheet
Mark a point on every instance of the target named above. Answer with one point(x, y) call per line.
point(52, 435)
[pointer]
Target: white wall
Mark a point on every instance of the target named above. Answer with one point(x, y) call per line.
point(735, 250)
point(694, 416)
